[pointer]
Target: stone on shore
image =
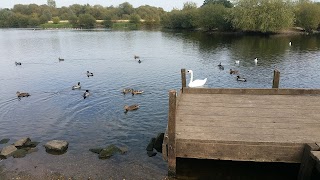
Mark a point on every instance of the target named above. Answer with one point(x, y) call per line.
point(22, 142)
point(4, 141)
point(7, 151)
point(56, 147)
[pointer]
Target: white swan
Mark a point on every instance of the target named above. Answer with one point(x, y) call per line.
point(197, 82)
point(237, 61)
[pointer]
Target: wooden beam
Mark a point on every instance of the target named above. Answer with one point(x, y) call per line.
point(183, 78)
point(316, 156)
point(307, 162)
point(276, 79)
point(172, 133)
point(251, 91)
point(165, 146)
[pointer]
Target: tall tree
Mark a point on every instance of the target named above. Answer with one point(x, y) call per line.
point(308, 15)
point(51, 3)
point(225, 3)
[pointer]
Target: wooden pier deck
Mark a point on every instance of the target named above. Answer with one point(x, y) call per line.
point(261, 125)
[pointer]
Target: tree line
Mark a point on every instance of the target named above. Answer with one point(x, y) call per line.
point(266, 16)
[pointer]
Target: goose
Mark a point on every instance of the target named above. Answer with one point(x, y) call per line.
point(76, 86)
point(61, 59)
point(126, 90)
point(22, 94)
point(220, 66)
point(256, 60)
point(17, 63)
point(131, 108)
point(136, 57)
point(86, 94)
point(197, 82)
point(237, 62)
point(234, 71)
point(89, 73)
point(241, 79)
point(136, 92)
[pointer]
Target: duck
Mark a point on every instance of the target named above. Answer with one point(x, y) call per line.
point(76, 86)
point(220, 66)
point(86, 94)
point(255, 60)
point(136, 92)
point(136, 57)
point(237, 62)
point(22, 94)
point(241, 79)
point(127, 90)
point(17, 63)
point(131, 108)
point(61, 59)
point(234, 71)
point(89, 73)
point(139, 61)
point(197, 82)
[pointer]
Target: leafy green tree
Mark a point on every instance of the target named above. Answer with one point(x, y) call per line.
point(262, 15)
point(107, 22)
point(34, 22)
point(189, 5)
point(5, 15)
point(225, 3)
point(135, 18)
point(214, 16)
point(51, 3)
point(307, 15)
point(125, 9)
point(87, 21)
point(56, 20)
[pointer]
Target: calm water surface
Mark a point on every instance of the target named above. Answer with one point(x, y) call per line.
point(54, 111)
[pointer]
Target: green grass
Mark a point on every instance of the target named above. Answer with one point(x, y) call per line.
point(54, 26)
point(125, 25)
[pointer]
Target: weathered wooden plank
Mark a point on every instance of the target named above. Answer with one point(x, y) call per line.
point(239, 152)
point(252, 91)
point(165, 146)
point(172, 133)
point(307, 162)
point(183, 78)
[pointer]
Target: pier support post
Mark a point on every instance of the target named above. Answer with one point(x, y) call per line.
point(183, 78)
point(172, 133)
point(276, 79)
point(307, 162)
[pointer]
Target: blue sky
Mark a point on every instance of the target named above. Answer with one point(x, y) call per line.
point(167, 5)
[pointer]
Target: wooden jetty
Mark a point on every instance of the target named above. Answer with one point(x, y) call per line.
point(260, 125)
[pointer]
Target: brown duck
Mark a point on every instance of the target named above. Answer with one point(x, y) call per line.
point(21, 94)
point(131, 108)
point(136, 92)
point(234, 71)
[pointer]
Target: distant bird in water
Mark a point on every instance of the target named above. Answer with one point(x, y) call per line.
point(220, 66)
point(290, 43)
point(256, 61)
point(197, 82)
point(22, 94)
point(136, 57)
point(76, 86)
point(130, 108)
point(234, 71)
point(89, 73)
point(61, 59)
point(237, 62)
point(241, 79)
point(127, 90)
point(139, 61)
point(17, 63)
point(136, 92)
point(86, 94)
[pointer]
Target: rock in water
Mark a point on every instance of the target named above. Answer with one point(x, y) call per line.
point(158, 142)
point(109, 151)
point(151, 144)
point(20, 153)
point(4, 141)
point(22, 142)
point(96, 150)
point(151, 153)
point(56, 147)
point(7, 151)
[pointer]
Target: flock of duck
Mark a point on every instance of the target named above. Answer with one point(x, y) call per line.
point(87, 93)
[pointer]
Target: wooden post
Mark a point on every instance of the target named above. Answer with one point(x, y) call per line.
point(276, 79)
point(307, 162)
point(183, 78)
point(172, 133)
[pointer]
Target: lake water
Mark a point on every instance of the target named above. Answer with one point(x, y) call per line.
point(54, 111)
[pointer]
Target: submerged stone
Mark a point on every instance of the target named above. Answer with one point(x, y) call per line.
point(22, 142)
point(151, 144)
point(31, 150)
point(4, 141)
point(151, 153)
point(109, 151)
point(158, 142)
point(31, 144)
point(20, 153)
point(96, 150)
